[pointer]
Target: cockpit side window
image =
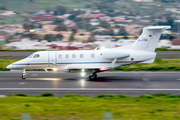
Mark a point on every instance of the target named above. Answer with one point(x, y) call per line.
point(30, 56)
point(36, 56)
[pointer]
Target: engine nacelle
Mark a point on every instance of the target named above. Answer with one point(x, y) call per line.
point(112, 54)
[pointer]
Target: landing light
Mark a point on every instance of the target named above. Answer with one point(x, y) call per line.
point(31, 30)
point(82, 70)
point(83, 74)
point(54, 69)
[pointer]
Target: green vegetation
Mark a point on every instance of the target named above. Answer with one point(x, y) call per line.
point(158, 65)
point(37, 5)
point(78, 107)
point(47, 95)
point(11, 20)
point(4, 63)
point(166, 49)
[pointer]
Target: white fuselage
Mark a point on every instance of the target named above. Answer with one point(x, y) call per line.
point(83, 59)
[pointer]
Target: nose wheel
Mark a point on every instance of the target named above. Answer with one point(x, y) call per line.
point(24, 75)
point(93, 76)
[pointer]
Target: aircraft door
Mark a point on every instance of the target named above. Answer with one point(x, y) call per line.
point(52, 59)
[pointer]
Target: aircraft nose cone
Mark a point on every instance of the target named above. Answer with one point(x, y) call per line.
point(9, 66)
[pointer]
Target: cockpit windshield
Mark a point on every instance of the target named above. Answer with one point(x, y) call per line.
point(36, 56)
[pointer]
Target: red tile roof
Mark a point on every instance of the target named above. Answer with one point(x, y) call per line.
point(176, 42)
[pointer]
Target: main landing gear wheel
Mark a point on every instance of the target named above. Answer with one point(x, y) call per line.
point(93, 76)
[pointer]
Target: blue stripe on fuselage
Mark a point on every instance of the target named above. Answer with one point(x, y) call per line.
point(74, 63)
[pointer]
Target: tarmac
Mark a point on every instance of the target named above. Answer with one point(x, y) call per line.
point(61, 84)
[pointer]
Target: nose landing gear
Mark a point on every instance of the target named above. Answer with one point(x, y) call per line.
point(24, 74)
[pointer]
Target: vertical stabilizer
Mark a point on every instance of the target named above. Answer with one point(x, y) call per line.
point(149, 38)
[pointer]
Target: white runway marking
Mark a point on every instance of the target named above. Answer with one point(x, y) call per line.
point(178, 79)
point(164, 72)
point(35, 72)
point(34, 75)
point(22, 83)
point(89, 89)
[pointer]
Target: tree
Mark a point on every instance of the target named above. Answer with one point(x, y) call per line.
point(59, 37)
point(3, 8)
point(61, 28)
point(33, 25)
point(108, 32)
point(71, 39)
point(74, 30)
point(48, 10)
point(125, 37)
point(60, 10)
point(88, 6)
point(104, 24)
point(72, 17)
point(122, 32)
point(92, 38)
point(58, 21)
point(167, 36)
point(50, 37)
point(32, 36)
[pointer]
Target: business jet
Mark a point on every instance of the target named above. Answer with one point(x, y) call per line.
point(90, 62)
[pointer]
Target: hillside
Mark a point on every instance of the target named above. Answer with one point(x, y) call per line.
point(35, 5)
point(128, 5)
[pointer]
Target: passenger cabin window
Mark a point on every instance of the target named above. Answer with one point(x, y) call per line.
point(60, 56)
point(92, 55)
point(36, 56)
point(81, 55)
point(67, 56)
point(74, 56)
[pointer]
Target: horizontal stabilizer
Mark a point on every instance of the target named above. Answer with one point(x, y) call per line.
point(158, 27)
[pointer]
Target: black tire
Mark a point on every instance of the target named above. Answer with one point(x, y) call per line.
point(23, 77)
point(93, 77)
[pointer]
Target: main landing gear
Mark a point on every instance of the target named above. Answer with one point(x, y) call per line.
point(24, 74)
point(93, 76)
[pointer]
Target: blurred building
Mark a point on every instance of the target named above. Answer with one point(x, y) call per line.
point(2, 40)
point(175, 44)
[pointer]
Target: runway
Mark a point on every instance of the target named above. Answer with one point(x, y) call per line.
point(128, 83)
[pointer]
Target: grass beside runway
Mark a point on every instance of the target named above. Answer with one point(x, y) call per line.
point(158, 65)
point(77, 107)
point(5, 62)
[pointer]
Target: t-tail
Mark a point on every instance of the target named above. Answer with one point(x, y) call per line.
point(149, 38)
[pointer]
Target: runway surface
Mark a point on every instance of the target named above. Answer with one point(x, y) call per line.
point(21, 55)
point(128, 83)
